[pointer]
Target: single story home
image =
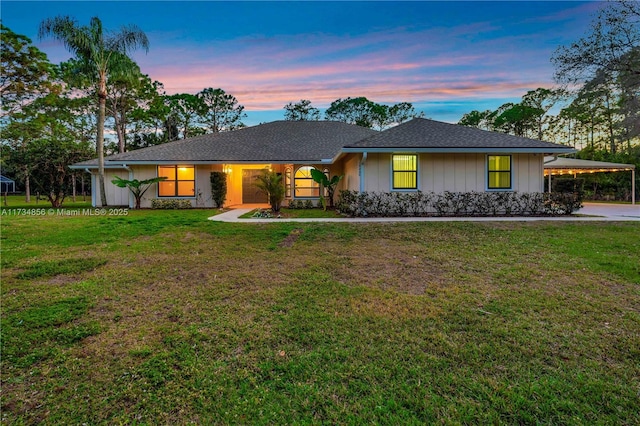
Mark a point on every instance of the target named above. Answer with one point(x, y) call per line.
point(419, 155)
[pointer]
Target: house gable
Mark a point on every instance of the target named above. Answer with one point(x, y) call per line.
point(423, 135)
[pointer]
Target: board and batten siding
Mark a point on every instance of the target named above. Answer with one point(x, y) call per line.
point(455, 173)
point(143, 173)
point(116, 196)
point(351, 166)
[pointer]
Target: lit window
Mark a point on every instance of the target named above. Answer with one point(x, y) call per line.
point(305, 186)
point(180, 181)
point(499, 171)
point(405, 171)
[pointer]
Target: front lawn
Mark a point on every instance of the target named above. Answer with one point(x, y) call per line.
point(163, 317)
point(18, 202)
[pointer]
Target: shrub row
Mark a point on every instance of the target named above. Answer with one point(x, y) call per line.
point(300, 204)
point(157, 203)
point(398, 204)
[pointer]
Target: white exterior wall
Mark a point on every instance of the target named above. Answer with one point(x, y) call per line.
point(455, 172)
point(116, 196)
point(203, 184)
point(529, 175)
point(142, 173)
point(436, 173)
point(377, 173)
point(351, 171)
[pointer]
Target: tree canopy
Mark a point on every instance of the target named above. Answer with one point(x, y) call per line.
point(25, 71)
point(301, 111)
point(363, 112)
point(221, 111)
point(605, 63)
point(99, 52)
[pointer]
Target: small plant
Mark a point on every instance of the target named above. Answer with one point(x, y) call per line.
point(170, 204)
point(329, 184)
point(260, 213)
point(137, 187)
point(308, 204)
point(271, 184)
point(218, 188)
point(295, 204)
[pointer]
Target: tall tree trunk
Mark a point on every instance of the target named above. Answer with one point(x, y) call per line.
point(609, 115)
point(120, 134)
point(540, 132)
point(73, 184)
point(102, 100)
point(27, 186)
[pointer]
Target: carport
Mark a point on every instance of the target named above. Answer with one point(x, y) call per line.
point(574, 166)
point(7, 185)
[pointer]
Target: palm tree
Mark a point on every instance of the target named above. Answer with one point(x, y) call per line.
point(271, 184)
point(100, 52)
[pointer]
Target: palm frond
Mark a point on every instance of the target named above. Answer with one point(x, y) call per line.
point(129, 37)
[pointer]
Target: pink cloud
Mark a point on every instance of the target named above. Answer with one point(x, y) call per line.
point(385, 66)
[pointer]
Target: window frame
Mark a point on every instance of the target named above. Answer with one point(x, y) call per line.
point(416, 172)
point(489, 172)
point(176, 180)
point(288, 180)
point(295, 183)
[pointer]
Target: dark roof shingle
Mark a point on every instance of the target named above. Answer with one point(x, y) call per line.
point(423, 133)
point(315, 141)
point(279, 141)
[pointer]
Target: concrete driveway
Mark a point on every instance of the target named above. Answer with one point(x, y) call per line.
point(590, 212)
point(611, 211)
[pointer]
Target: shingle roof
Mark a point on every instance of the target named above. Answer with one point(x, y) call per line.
point(314, 141)
point(279, 141)
point(421, 133)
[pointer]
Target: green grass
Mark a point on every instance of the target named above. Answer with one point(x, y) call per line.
point(18, 202)
point(59, 267)
point(163, 317)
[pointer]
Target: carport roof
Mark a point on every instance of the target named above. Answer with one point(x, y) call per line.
point(565, 165)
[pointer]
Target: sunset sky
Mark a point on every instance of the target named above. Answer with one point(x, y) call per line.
point(447, 58)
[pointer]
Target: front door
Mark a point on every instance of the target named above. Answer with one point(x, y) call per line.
point(251, 194)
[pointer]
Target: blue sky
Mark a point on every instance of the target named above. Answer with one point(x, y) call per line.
point(447, 58)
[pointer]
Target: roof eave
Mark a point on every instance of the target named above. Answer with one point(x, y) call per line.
point(550, 150)
point(126, 164)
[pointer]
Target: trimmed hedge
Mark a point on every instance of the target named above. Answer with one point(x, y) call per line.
point(300, 204)
point(399, 204)
point(218, 188)
point(157, 203)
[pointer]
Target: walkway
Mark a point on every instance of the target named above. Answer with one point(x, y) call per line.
point(590, 212)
